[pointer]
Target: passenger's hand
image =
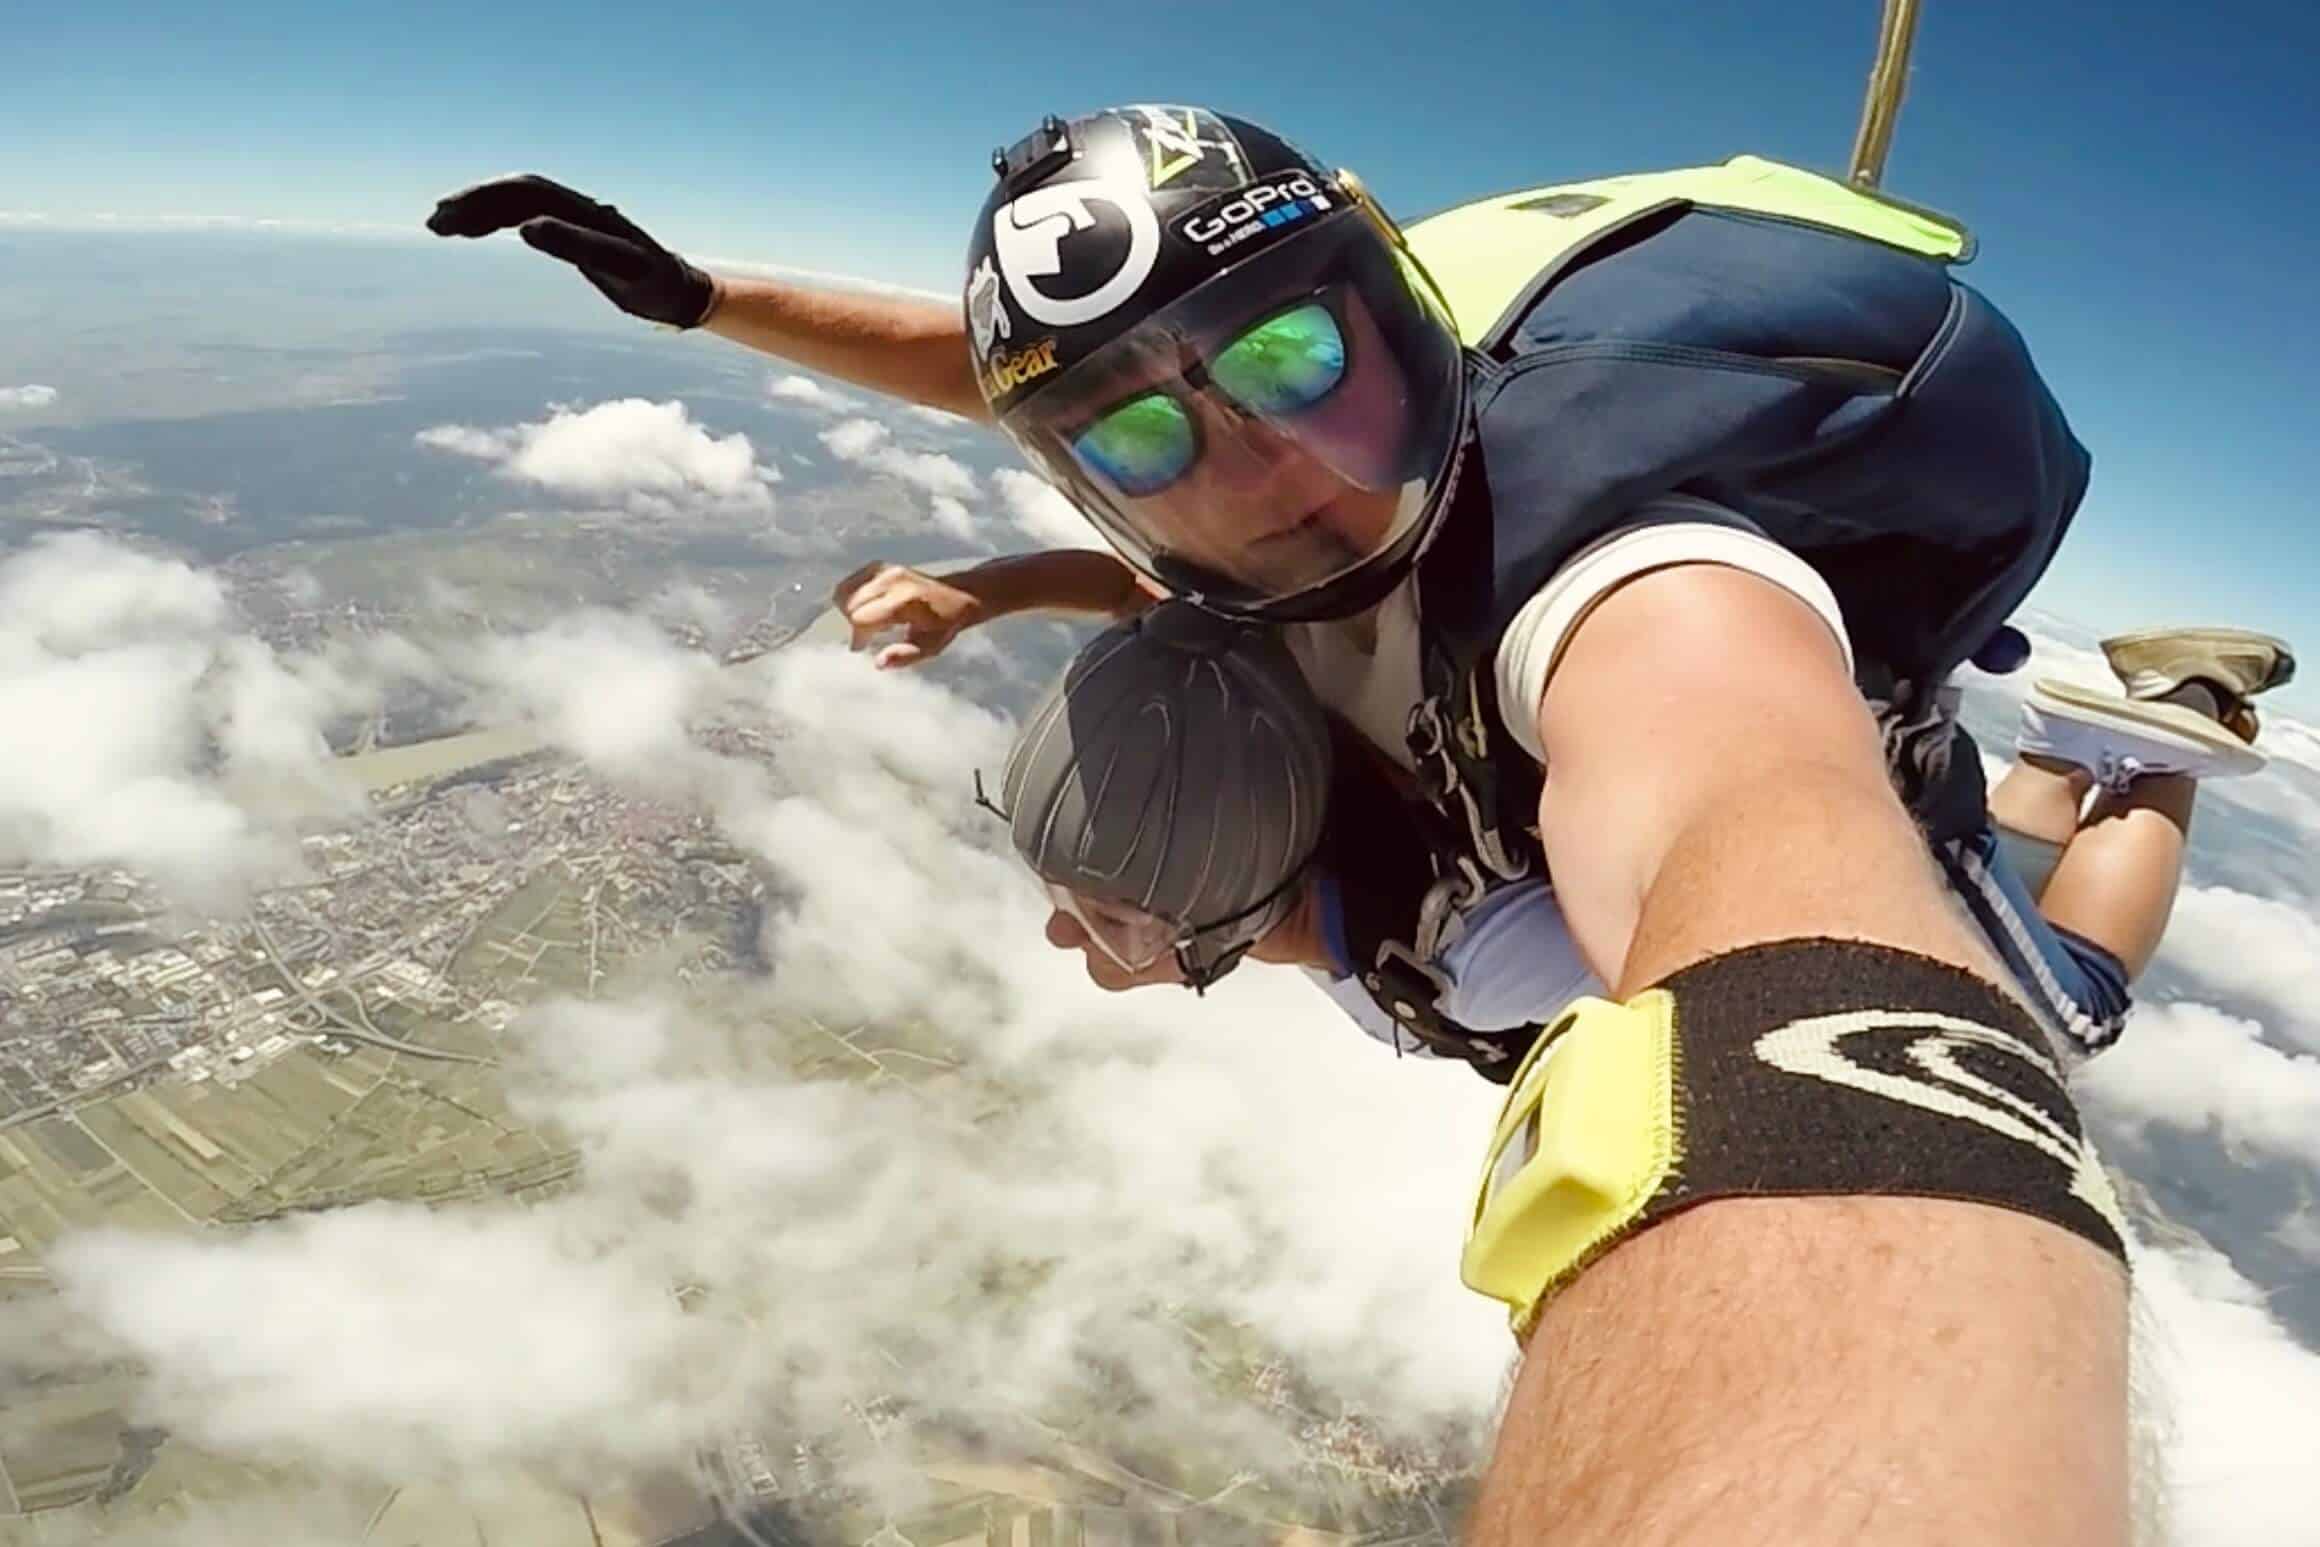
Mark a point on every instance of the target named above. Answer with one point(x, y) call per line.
point(635, 273)
point(930, 612)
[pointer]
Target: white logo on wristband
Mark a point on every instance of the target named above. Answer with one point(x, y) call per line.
point(1938, 1082)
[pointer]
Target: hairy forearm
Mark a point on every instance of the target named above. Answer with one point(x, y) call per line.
point(1810, 1371)
point(1905, 1370)
point(903, 347)
point(1073, 580)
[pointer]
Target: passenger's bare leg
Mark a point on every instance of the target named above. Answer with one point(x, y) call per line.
point(2119, 874)
point(2185, 715)
point(2041, 797)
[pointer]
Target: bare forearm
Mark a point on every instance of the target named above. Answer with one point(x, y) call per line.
point(1072, 580)
point(906, 348)
point(1809, 1371)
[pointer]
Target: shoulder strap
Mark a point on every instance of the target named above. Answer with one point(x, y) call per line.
point(1400, 877)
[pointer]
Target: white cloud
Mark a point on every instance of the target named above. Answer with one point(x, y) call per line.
point(941, 418)
point(691, 603)
point(946, 481)
point(2292, 741)
point(409, 1325)
point(953, 519)
point(855, 439)
point(2243, 1448)
point(608, 687)
point(2253, 948)
point(866, 443)
point(2197, 1070)
point(32, 396)
point(650, 458)
point(812, 393)
point(1040, 513)
point(169, 741)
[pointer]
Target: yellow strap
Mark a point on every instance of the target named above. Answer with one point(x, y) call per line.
point(1587, 1136)
point(1485, 254)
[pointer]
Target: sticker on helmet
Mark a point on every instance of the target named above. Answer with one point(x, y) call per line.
point(1184, 147)
point(986, 317)
point(1280, 200)
point(1004, 372)
point(1053, 233)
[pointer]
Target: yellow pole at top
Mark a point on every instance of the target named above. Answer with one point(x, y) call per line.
point(1888, 79)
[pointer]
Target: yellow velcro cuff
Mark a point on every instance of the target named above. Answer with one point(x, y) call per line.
point(1587, 1137)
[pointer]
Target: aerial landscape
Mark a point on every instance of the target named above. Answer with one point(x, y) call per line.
point(512, 1031)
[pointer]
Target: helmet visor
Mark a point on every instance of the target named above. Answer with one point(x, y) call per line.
point(1269, 432)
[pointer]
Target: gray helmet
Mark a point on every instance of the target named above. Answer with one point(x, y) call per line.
point(1171, 787)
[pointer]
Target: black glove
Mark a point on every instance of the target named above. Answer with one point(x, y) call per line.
point(636, 273)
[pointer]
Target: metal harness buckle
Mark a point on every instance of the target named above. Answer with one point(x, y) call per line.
point(1410, 990)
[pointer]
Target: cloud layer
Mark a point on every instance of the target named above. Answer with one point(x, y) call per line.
point(924, 1160)
point(921, 1159)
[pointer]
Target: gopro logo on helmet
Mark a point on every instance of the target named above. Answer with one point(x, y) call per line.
point(1278, 200)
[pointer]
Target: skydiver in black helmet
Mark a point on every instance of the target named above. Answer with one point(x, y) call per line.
point(1641, 523)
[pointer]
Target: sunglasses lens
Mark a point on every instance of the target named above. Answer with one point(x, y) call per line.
point(1140, 447)
point(1285, 364)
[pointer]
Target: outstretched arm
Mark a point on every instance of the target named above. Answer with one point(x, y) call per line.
point(902, 346)
point(1905, 1370)
point(906, 346)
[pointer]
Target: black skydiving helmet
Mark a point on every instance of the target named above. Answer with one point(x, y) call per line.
point(1210, 344)
point(1169, 789)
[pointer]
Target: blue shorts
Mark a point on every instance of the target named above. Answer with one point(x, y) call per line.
point(2079, 987)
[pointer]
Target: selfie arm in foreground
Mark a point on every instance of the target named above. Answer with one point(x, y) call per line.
point(1714, 785)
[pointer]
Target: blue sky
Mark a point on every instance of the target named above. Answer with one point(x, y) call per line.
point(2141, 176)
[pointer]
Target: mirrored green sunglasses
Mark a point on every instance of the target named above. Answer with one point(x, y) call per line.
point(1274, 369)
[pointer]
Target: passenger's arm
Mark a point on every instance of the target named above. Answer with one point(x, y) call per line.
point(933, 610)
point(1903, 1370)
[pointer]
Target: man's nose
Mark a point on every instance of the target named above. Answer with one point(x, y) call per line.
point(1244, 453)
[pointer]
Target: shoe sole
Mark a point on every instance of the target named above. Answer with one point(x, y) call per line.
point(2186, 730)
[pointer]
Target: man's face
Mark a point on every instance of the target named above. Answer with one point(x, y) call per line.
point(1282, 501)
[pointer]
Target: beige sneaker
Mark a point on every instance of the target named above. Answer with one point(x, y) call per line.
point(2243, 663)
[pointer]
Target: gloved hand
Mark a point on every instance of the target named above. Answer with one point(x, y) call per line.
point(636, 273)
